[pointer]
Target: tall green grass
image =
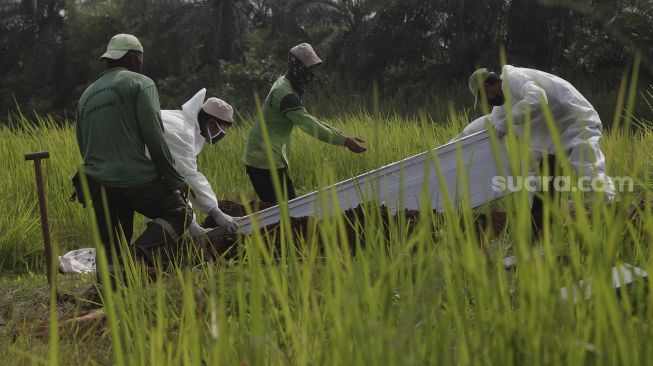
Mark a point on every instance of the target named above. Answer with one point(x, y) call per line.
point(389, 137)
point(431, 296)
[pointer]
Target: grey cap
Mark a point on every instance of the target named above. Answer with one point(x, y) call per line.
point(305, 53)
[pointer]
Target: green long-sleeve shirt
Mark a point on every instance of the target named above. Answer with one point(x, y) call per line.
point(118, 116)
point(283, 110)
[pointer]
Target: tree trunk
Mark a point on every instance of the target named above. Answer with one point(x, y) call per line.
point(228, 31)
point(526, 40)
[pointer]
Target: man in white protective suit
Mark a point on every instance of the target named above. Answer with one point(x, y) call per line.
point(186, 131)
point(531, 93)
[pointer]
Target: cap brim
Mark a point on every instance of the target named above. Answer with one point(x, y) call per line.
point(315, 62)
point(113, 54)
point(231, 121)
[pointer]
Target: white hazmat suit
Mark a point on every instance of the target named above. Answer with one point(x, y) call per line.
point(578, 124)
point(182, 133)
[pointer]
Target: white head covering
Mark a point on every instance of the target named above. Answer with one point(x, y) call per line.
point(219, 108)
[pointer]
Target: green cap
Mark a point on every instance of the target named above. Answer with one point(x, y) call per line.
point(120, 44)
point(477, 80)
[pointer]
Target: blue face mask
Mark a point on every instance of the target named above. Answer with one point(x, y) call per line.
point(213, 138)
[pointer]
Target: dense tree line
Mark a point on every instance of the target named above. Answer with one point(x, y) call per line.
point(408, 48)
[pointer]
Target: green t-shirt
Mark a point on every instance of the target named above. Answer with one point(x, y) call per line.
point(118, 117)
point(283, 110)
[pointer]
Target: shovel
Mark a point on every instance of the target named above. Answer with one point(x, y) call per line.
point(43, 208)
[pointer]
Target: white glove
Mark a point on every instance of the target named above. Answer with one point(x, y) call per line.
point(500, 129)
point(223, 220)
point(196, 230)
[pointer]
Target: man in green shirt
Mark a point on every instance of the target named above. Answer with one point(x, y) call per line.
point(118, 120)
point(283, 110)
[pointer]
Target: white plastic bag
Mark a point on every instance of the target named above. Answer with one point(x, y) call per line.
point(78, 261)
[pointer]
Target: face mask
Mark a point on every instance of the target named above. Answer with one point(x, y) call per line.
point(213, 138)
point(299, 74)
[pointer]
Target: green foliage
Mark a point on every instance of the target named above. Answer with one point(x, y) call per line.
point(431, 297)
point(408, 49)
point(222, 166)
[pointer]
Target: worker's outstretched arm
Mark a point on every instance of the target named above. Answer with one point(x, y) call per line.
point(292, 107)
point(148, 114)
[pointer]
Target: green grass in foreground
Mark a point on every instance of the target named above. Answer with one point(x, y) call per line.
point(405, 299)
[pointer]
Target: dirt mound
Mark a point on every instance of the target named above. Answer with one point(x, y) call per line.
point(636, 211)
point(496, 222)
point(487, 225)
point(307, 229)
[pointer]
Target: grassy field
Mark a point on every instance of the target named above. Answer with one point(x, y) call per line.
point(429, 297)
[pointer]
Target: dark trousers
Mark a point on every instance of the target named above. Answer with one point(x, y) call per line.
point(262, 181)
point(153, 200)
point(554, 167)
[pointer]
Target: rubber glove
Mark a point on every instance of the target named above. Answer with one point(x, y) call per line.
point(223, 220)
point(196, 230)
point(500, 130)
